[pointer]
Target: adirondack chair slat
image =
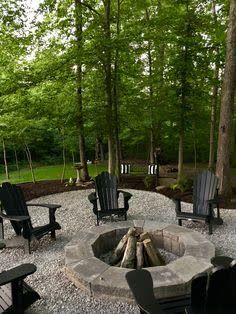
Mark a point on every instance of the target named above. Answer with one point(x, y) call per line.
point(14, 205)
point(107, 193)
point(204, 190)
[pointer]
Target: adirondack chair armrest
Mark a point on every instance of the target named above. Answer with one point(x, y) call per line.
point(49, 206)
point(127, 197)
point(17, 273)
point(14, 218)
point(93, 199)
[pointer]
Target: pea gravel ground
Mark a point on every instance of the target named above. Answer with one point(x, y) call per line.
point(58, 294)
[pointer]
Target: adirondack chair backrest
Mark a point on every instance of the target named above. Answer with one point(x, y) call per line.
point(106, 188)
point(204, 189)
point(141, 284)
point(13, 202)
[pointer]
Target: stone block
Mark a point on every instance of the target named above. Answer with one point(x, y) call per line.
point(188, 266)
point(138, 223)
point(167, 243)
point(104, 243)
point(74, 253)
point(85, 271)
point(151, 225)
point(166, 282)
point(175, 247)
point(112, 282)
point(205, 250)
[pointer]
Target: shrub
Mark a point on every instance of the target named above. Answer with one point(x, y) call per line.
point(149, 182)
point(184, 184)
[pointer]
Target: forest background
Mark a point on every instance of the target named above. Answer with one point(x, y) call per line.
point(111, 80)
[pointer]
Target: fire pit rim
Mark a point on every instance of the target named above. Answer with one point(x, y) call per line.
point(99, 278)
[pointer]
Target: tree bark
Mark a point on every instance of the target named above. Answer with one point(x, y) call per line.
point(227, 103)
point(108, 88)
point(28, 154)
point(5, 159)
point(63, 159)
point(80, 118)
point(17, 163)
point(181, 156)
point(215, 88)
point(116, 96)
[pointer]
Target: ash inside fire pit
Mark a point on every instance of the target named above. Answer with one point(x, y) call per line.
point(137, 249)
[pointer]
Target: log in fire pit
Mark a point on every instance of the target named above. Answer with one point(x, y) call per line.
point(97, 259)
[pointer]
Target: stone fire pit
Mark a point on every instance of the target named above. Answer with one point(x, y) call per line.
point(86, 270)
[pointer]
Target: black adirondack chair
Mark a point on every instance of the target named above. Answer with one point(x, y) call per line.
point(214, 293)
point(141, 284)
point(205, 199)
point(107, 193)
point(15, 294)
point(16, 210)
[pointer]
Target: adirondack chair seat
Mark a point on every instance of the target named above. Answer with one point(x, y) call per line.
point(205, 199)
point(15, 294)
point(16, 209)
point(107, 194)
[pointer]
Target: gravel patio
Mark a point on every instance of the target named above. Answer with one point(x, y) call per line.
point(58, 294)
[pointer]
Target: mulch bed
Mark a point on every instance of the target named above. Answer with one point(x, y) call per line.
point(41, 188)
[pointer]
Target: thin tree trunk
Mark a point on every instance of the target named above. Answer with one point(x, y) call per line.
point(150, 73)
point(181, 155)
point(29, 158)
point(116, 97)
point(215, 88)
point(63, 159)
point(227, 103)
point(17, 163)
point(5, 159)
point(73, 157)
point(108, 88)
point(80, 118)
point(101, 151)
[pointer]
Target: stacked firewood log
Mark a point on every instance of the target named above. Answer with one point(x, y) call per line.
point(136, 250)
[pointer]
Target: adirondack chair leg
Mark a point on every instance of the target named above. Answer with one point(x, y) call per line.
point(210, 227)
point(53, 235)
point(17, 296)
point(180, 222)
point(97, 220)
point(27, 246)
point(1, 229)
point(125, 216)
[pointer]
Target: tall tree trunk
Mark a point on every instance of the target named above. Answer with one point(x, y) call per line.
point(63, 159)
point(17, 163)
point(80, 118)
point(215, 88)
point(116, 96)
point(29, 158)
point(151, 100)
point(108, 88)
point(5, 159)
point(181, 155)
point(227, 103)
point(151, 158)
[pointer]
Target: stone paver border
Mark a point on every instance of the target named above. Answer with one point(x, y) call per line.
point(86, 270)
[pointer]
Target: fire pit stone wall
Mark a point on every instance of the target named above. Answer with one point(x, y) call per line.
point(86, 270)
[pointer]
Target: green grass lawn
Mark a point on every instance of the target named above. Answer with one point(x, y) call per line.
point(49, 173)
